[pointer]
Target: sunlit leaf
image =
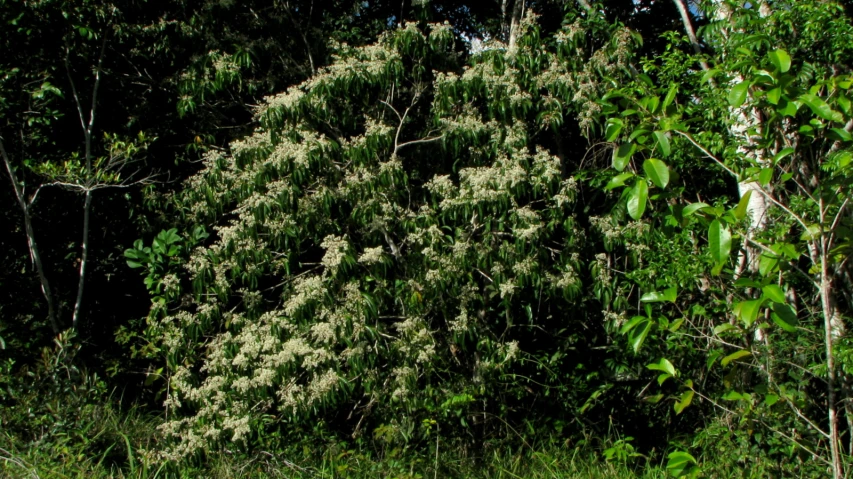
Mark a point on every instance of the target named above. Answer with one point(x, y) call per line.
point(657, 171)
point(637, 198)
point(735, 356)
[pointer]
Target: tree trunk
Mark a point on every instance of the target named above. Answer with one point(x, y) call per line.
point(87, 208)
point(35, 256)
point(515, 22)
point(829, 314)
point(691, 33)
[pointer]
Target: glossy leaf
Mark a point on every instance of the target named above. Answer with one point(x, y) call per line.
point(821, 108)
point(785, 317)
point(622, 155)
point(637, 199)
point(743, 204)
point(662, 143)
point(780, 59)
point(663, 365)
point(774, 293)
point(657, 171)
point(737, 95)
point(693, 208)
point(678, 462)
point(719, 241)
point(618, 180)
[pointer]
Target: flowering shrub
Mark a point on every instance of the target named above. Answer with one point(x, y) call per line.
point(393, 235)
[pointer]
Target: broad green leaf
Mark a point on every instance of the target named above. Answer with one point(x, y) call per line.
point(735, 356)
point(657, 171)
point(723, 328)
point(785, 317)
point(622, 155)
point(774, 95)
point(765, 177)
point(693, 207)
point(686, 399)
point(662, 143)
point(781, 60)
point(771, 399)
point(638, 335)
point(678, 462)
point(821, 108)
point(782, 154)
point(787, 108)
point(737, 95)
point(740, 210)
point(774, 293)
point(735, 396)
point(839, 134)
point(663, 365)
point(767, 264)
point(748, 311)
point(614, 127)
point(719, 241)
point(632, 324)
point(670, 95)
point(618, 180)
point(637, 199)
point(669, 294)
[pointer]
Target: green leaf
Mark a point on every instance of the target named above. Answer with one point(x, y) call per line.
point(614, 127)
point(638, 335)
point(748, 311)
point(719, 241)
point(735, 356)
point(678, 462)
point(765, 177)
point(637, 198)
point(785, 317)
point(782, 154)
point(622, 155)
point(839, 134)
point(670, 95)
point(693, 207)
point(770, 400)
point(774, 95)
point(774, 293)
point(662, 142)
point(663, 365)
point(780, 59)
point(668, 294)
point(821, 108)
point(787, 108)
point(686, 399)
point(657, 171)
point(737, 95)
point(618, 180)
point(740, 210)
point(723, 328)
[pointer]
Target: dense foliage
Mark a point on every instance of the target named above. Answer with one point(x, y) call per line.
point(483, 228)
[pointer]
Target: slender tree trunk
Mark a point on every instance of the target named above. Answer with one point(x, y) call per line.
point(515, 22)
point(691, 33)
point(35, 256)
point(828, 315)
point(87, 208)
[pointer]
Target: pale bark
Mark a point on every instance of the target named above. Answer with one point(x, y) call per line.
point(688, 28)
point(35, 256)
point(515, 22)
point(90, 180)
